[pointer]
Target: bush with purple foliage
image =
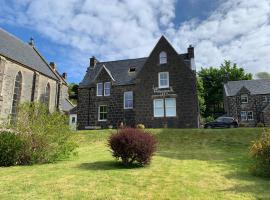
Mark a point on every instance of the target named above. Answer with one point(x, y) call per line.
point(133, 145)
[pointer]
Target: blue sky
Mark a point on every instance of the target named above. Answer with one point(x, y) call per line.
point(70, 32)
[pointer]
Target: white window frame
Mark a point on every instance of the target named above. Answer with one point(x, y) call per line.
point(244, 97)
point(109, 88)
point(264, 99)
point(154, 105)
point(243, 116)
point(168, 80)
point(170, 107)
point(250, 113)
point(102, 120)
point(99, 84)
point(125, 96)
point(162, 57)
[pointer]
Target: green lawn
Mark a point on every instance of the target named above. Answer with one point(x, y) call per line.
point(189, 164)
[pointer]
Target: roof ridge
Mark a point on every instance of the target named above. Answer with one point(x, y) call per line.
point(121, 60)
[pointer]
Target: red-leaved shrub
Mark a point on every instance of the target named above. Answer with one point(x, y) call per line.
point(133, 145)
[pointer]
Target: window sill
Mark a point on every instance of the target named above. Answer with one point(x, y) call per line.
point(102, 120)
point(128, 108)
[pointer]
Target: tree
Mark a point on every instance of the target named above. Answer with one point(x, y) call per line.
point(263, 75)
point(200, 92)
point(73, 92)
point(213, 80)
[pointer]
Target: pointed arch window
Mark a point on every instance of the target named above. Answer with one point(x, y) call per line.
point(47, 95)
point(16, 95)
point(163, 57)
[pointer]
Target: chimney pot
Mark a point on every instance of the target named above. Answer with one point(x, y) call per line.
point(190, 52)
point(64, 75)
point(31, 42)
point(53, 65)
point(93, 62)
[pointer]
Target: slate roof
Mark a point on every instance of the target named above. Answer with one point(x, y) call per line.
point(119, 70)
point(15, 49)
point(66, 105)
point(73, 110)
point(261, 86)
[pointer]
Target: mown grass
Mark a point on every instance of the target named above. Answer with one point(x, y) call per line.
point(189, 164)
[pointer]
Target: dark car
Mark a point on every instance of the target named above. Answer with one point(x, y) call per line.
point(222, 122)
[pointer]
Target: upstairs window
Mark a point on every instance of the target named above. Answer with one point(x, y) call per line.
point(163, 57)
point(264, 99)
point(163, 80)
point(244, 98)
point(128, 100)
point(107, 89)
point(99, 89)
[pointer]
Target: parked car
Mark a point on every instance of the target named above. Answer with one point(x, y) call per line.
point(222, 122)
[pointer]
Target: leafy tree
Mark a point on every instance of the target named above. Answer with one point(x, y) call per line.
point(263, 75)
point(213, 80)
point(73, 92)
point(200, 91)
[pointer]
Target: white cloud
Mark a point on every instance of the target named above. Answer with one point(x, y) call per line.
point(238, 30)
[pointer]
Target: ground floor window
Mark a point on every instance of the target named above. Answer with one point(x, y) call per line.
point(165, 107)
point(246, 115)
point(102, 113)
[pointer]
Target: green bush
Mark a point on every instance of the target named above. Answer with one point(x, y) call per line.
point(11, 146)
point(260, 152)
point(207, 119)
point(46, 135)
point(140, 126)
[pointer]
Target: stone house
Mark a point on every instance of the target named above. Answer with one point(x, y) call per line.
point(25, 76)
point(248, 101)
point(157, 91)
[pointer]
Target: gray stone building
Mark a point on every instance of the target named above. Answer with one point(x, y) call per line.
point(157, 91)
point(25, 76)
point(248, 101)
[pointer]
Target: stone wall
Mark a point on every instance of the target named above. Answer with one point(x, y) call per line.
point(89, 102)
point(183, 83)
point(7, 80)
point(233, 107)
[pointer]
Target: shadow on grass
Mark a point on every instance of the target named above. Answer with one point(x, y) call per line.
point(107, 165)
point(258, 186)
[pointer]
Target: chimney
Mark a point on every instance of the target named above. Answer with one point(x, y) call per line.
point(64, 75)
point(93, 62)
point(31, 42)
point(190, 52)
point(53, 66)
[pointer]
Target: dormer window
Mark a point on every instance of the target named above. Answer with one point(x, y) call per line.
point(244, 98)
point(132, 69)
point(163, 57)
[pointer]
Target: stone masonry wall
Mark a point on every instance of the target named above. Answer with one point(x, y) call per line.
point(11, 70)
